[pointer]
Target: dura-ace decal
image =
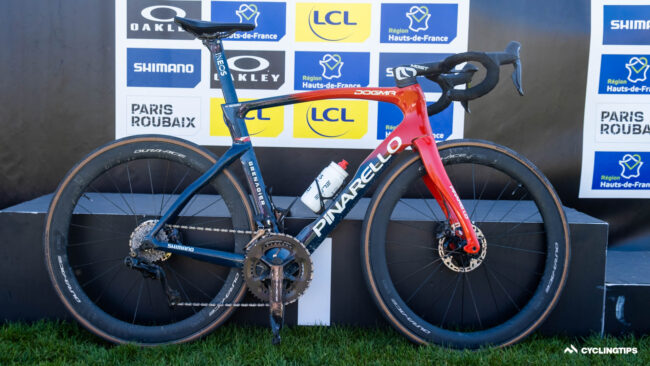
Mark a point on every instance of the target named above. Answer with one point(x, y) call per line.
point(366, 177)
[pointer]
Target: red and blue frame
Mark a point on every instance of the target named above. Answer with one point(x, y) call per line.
point(414, 131)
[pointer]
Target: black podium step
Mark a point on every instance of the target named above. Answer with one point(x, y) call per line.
point(627, 284)
point(338, 293)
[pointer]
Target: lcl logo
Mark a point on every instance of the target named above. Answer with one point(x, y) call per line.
point(332, 22)
point(330, 115)
point(259, 115)
point(334, 17)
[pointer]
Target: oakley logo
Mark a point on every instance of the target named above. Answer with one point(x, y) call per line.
point(245, 60)
point(147, 13)
point(404, 72)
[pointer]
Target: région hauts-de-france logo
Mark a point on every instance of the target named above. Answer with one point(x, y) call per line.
point(637, 69)
point(631, 165)
point(332, 65)
point(419, 17)
point(269, 18)
point(248, 13)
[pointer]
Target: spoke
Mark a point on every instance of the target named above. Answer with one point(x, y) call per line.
point(513, 282)
point(171, 195)
point(206, 207)
point(517, 202)
point(518, 234)
point(109, 201)
point(416, 209)
point(478, 200)
point(95, 217)
point(128, 292)
point(501, 285)
point(110, 177)
point(423, 268)
point(110, 282)
point(162, 200)
point(137, 303)
point(435, 270)
point(524, 221)
point(519, 249)
point(97, 241)
point(503, 190)
point(410, 245)
point(128, 176)
point(412, 226)
point(187, 298)
point(100, 275)
point(96, 262)
point(471, 294)
point(450, 301)
point(426, 202)
point(494, 299)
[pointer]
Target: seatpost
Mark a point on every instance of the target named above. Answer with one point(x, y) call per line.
point(215, 47)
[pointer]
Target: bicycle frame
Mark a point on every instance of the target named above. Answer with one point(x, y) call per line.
point(414, 130)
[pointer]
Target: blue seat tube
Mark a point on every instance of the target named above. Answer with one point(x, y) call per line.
point(219, 57)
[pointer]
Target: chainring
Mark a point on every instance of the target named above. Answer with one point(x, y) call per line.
point(273, 250)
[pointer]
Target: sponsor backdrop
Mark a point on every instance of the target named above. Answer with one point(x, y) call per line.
point(58, 89)
point(616, 146)
point(165, 81)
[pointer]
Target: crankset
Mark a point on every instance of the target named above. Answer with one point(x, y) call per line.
point(277, 269)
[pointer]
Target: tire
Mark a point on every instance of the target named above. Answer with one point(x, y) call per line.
point(464, 302)
point(87, 237)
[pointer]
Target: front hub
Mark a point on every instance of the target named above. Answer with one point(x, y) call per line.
point(450, 249)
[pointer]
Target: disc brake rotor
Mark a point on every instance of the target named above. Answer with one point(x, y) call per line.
point(455, 258)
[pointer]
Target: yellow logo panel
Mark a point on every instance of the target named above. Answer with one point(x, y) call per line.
point(331, 119)
point(332, 22)
point(267, 122)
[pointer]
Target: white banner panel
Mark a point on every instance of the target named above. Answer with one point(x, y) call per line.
point(616, 136)
point(165, 82)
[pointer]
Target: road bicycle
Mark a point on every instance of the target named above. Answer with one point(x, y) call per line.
point(137, 250)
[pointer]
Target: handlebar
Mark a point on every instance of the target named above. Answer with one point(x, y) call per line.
point(444, 74)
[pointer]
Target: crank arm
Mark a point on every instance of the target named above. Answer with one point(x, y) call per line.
point(276, 293)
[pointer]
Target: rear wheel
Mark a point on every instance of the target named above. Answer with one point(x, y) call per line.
point(428, 287)
point(98, 217)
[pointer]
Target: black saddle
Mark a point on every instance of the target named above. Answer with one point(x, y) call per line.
point(202, 29)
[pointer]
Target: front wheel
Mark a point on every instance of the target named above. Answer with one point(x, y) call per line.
point(428, 288)
point(95, 227)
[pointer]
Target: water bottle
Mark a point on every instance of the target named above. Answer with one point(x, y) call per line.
point(329, 180)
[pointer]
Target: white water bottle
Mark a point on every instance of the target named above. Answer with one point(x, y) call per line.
point(329, 180)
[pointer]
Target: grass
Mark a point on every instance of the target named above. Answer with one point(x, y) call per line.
point(60, 343)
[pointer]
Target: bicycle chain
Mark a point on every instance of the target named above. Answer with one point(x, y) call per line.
point(229, 305)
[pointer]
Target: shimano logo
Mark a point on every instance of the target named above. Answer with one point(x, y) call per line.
point(404, 72)
point(628, 24)
point(181, 247)
point(365, 178)
point(374, 92)
point(163, 68)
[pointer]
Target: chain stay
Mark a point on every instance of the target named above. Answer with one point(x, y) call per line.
point(231, 305)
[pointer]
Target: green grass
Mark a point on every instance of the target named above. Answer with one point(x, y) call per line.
point(58, 343)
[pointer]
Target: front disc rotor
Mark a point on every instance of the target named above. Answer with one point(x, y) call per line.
point(455, 258)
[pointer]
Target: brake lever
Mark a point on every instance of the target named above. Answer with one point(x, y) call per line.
point(510, 56)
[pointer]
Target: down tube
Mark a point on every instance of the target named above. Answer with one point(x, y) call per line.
point(371, 168)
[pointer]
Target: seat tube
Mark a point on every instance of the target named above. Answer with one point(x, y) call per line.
point(221, 65)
